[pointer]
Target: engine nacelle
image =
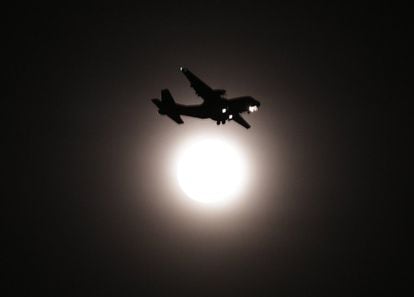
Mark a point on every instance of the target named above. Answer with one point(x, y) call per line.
point(220, 92)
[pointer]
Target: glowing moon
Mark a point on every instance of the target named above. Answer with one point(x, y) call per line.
point(211, 171)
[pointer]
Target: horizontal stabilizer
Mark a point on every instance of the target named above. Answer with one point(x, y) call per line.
point(176, 118)
point(157, 102)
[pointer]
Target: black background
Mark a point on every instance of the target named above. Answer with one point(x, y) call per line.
point(82, 80)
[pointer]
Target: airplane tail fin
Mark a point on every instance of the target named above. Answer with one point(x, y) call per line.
point(166, 97)
point(167, 106)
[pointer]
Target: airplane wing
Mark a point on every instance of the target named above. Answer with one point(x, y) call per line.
point(238, 118)
point(201, 89)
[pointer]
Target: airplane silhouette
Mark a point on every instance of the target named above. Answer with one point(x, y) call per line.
point(215, 106)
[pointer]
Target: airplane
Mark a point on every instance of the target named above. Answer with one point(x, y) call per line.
point(215, 106)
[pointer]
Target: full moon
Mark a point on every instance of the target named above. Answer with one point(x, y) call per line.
point(211, 171)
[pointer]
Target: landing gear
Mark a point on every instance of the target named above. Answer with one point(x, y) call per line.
point(221, 122)
point(218, 122)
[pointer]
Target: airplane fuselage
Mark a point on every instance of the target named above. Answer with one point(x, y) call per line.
point(220, 110)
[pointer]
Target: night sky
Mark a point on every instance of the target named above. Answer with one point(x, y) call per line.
point(99, 212)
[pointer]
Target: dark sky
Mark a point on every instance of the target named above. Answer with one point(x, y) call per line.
point(98, 216)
